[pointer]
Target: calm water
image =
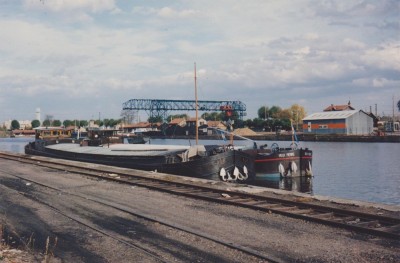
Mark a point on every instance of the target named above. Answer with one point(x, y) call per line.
point(360, 171)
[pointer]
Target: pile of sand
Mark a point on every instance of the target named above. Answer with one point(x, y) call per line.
point(244, 132)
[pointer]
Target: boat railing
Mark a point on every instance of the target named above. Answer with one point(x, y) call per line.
point(253, 143)
point(58, 140)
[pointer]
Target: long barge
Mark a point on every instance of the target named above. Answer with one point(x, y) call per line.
point(214, 162)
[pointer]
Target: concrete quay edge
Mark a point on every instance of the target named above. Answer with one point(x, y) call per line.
point(251, 189)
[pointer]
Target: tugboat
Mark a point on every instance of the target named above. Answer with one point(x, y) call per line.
point(284, 162)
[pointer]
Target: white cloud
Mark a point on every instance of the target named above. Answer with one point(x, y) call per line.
point(353, 44)
point(58, 6)
point(167, 12)
point(72, 11)
point(260, 52)
point(386, 56)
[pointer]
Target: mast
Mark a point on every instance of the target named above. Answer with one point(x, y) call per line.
point(291, 124)
point(197, 114)
point(393, 111)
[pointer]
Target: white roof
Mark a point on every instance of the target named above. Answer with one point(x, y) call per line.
point(120, 149)
point(329, 115)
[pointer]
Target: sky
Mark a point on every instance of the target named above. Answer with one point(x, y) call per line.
point(81, 59)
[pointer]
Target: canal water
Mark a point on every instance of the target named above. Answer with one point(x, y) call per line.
point(360, 171)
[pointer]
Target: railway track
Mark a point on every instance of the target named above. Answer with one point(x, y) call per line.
point(139, 248)
point(271, 257)
point(371, 224)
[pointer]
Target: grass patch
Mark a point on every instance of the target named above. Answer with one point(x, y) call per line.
point(14, 249)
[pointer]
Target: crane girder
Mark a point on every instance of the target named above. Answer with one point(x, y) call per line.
point(161, 107)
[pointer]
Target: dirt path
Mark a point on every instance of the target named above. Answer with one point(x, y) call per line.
point(104, 234)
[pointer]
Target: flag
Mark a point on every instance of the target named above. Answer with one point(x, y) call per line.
point(223, 136)
point(294, 134)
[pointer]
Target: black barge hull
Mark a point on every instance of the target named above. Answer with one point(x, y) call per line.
point(285, 162)
point(208, 167)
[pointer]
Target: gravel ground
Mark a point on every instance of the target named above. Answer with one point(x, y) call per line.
point(283, 238)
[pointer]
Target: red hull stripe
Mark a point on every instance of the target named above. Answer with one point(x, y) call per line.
point(278, 159)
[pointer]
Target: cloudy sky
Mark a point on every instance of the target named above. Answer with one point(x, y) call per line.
point(78, 58)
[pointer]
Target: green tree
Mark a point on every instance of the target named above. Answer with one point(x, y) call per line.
point(111, 122)
point(106, 122)
point(155, 119)
point(14, 125)
point(98, 122)
point(57, 123)
point(298, 114)
point(278, 118)
point(263, 112)
point(177, 116)
point(269, 124)
point(35, 124)
point(67, 123)
point(115, 122)
point(206, 116)
point(249, 123)
point(83, 123)
point(281, 124)
point(46, 123)
point(284, 114)
point(76, 123)
point(274, 111)
point(213, 116)
point(258, 123)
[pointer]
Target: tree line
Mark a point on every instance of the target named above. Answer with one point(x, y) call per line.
point(275, 118)
point(66, 123)
point(268, 119)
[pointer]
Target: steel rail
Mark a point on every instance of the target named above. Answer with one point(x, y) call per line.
point(232, 245)
point(377, 225)
point(72, 218)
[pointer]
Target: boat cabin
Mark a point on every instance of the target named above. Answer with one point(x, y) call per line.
point(98, 137)
point(45, 133)
point(100, 133)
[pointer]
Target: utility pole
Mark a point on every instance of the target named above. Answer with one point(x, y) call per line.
point(393, 111)
point(197, 114)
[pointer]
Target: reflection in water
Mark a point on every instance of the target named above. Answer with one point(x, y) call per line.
point(301, 184)
point(15, 145)
point(15, 148)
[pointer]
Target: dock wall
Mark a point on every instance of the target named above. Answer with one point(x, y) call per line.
point(301, 137)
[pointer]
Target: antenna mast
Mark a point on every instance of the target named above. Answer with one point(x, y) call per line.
point(393, 112)
point(195, 91)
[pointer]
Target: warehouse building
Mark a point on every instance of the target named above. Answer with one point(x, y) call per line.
point(350, 122)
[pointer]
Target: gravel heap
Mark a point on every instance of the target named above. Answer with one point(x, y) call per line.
point(244, 132)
